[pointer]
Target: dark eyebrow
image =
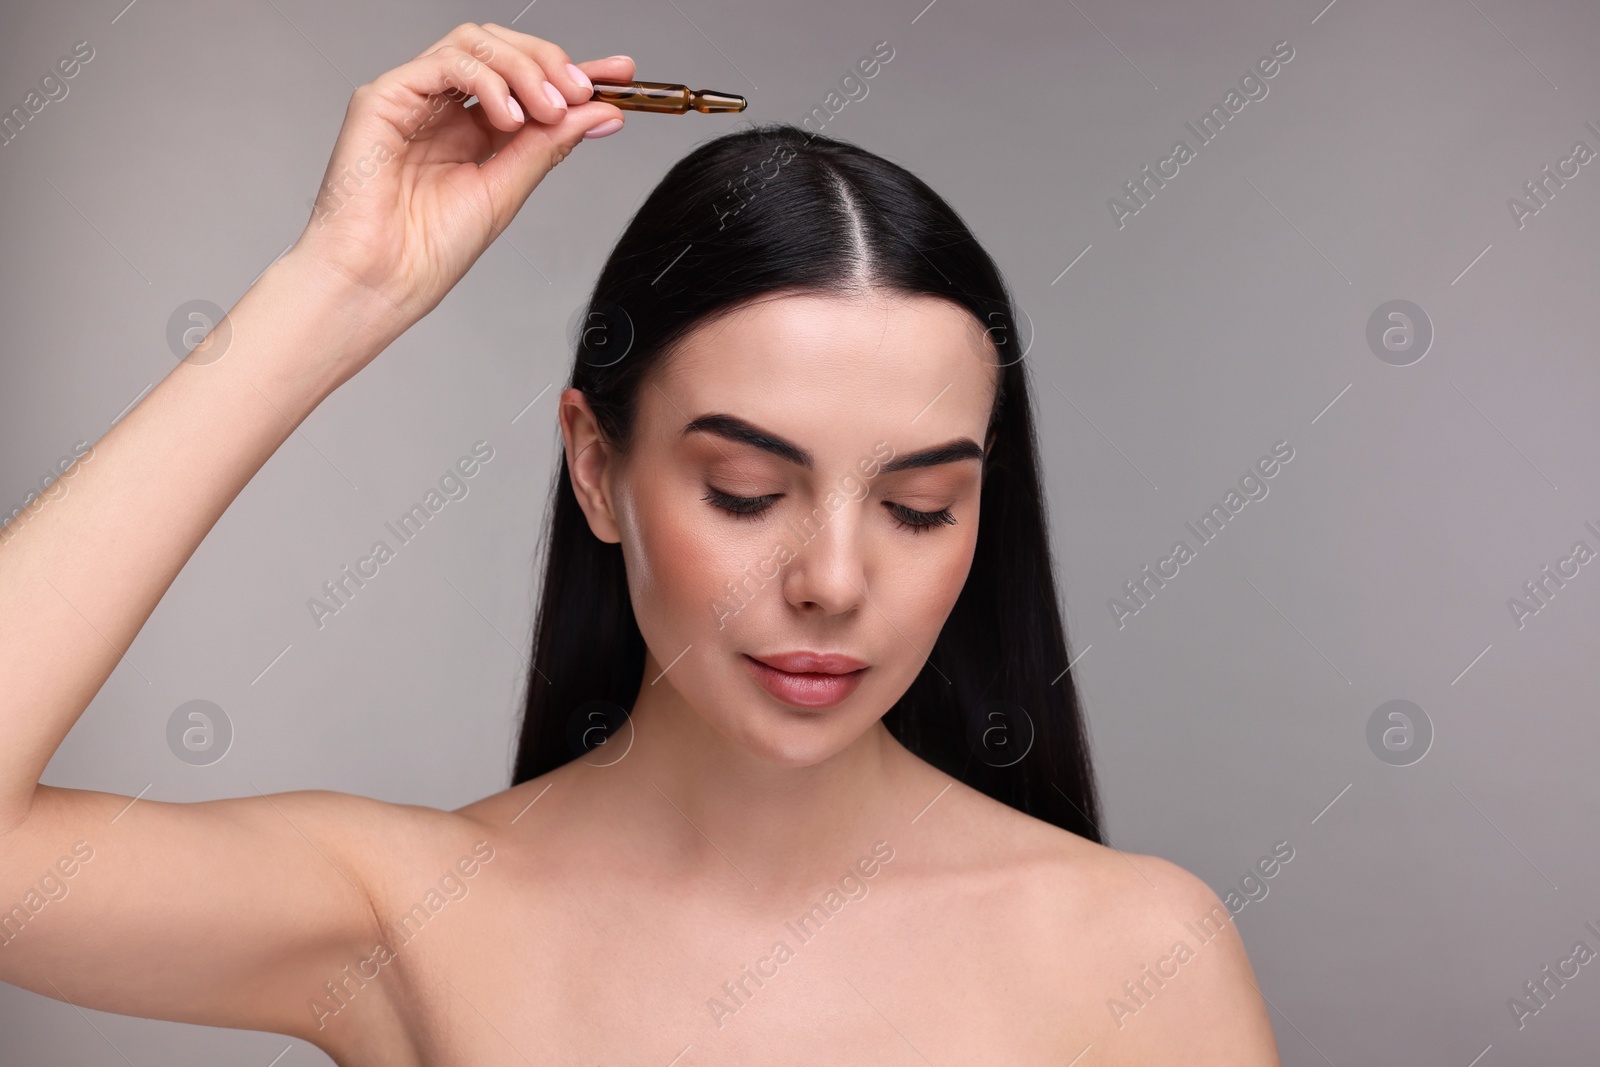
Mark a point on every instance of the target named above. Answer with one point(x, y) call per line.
point(950, 452)
point(736, 429)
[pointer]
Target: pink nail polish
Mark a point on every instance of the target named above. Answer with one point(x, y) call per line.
point(555, 96)
point(605, 129)
point(579, 76)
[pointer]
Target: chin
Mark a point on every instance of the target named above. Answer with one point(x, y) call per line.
point(795, 737)
point(799, 746)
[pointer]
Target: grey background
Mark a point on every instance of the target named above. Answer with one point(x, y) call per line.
point(1230, 313)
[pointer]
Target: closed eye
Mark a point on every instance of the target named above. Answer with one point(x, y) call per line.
point(752, 507)
point(744, 507)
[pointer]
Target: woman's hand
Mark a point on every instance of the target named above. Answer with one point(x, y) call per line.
point(411, 196)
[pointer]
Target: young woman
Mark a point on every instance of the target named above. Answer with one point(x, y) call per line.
point(802, 778)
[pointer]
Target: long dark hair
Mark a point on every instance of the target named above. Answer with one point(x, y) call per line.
point(774, 207)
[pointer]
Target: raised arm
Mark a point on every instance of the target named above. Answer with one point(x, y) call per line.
point(233, 912)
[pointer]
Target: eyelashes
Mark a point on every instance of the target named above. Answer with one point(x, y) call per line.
point(751, 507)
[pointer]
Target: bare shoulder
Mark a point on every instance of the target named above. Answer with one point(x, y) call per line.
point(419, 842)
point(394, 839)
point(1148, 959)
point(533, 820)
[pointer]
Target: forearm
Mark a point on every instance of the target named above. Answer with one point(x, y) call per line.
point(81, 575)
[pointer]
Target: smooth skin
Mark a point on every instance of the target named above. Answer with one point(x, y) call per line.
point(595, 913)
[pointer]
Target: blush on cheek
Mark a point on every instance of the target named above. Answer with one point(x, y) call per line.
point(685, 564)
point(939, 586)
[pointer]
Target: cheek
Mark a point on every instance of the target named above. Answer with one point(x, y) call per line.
point(925, 582)
point(679, 564)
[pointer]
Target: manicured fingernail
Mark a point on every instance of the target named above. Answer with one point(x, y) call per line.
point(605, 129)
point(579, 76)
point(555, 96)
point(516, 109)
point(628, 58)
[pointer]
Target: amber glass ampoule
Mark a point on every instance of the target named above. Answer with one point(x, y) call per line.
point(666, 97)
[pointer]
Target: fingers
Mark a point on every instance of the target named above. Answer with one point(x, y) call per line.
point(526, 76)
point(496, 64)
point(449, 67)
point(612, 69)
point(549, 62)
point(547, 84)
point(504, 68)
point(554, 66)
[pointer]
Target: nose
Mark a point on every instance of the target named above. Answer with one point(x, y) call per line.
point(828, 572)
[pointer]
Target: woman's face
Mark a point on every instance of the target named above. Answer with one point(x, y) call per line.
point(761, 512)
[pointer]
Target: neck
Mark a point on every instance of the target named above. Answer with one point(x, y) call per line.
point(713, 807)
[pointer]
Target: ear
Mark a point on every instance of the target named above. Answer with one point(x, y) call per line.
point(590, 464)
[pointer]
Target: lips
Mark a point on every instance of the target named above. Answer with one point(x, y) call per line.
point(807, 679)
point(811, 662)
